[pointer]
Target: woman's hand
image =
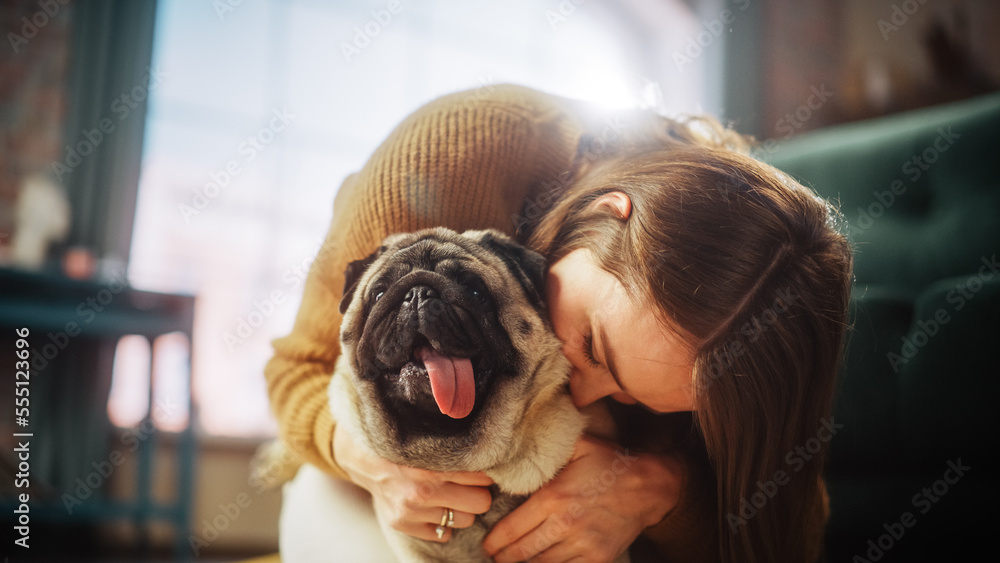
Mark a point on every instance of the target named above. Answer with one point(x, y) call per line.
point(413, 500)
point(593, 510)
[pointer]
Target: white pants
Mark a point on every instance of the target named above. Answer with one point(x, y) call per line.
point(329, 520)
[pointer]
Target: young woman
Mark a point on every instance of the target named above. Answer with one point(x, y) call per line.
point(703, 291)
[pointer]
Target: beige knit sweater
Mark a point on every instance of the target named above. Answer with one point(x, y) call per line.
point(471, 160)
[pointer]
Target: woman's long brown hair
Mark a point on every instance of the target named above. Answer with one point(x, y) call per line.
point(752, 270)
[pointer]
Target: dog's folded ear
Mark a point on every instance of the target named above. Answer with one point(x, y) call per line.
point(527, 266)
point(352, 275)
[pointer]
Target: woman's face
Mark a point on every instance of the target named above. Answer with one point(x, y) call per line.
point(617, 345)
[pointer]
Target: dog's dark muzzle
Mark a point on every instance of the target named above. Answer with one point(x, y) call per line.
point(423, 307)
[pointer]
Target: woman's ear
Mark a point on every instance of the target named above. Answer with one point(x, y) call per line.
point(617, 202)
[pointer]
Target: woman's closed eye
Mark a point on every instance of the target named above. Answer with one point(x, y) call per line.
point(588, 351)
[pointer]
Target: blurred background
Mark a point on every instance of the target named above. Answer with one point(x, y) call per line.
point(168, 170)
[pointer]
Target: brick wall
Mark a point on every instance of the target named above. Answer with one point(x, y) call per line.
point(802, 45)
point(833, 61)
point(34, 57)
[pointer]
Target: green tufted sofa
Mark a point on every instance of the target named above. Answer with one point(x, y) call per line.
point(912, 473)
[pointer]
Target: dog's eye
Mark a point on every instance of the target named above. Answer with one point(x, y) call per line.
point(379, 295)
point(477, 290)
point(475, 286)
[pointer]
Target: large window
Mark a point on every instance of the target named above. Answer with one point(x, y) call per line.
point(263, 108)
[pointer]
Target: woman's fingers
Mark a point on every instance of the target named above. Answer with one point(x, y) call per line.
point(416, 502)
point(435, 515)
point(467, 478)
point(511, 534)
point(472, 479)
point(426, 521)
point(474, 500)
point(556, 553)
point(547, 542)
point(577, 548)
point(429, 489)
point(424, 531)
point(411, 500)
point(568, 518)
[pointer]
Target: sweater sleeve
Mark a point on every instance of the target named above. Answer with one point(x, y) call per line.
point(465, 161)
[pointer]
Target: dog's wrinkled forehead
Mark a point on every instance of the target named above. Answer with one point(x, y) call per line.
point(427, 249)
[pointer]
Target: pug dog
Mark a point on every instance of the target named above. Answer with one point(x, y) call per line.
point(449, 363)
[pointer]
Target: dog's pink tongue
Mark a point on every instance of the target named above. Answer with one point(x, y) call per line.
point(452, 382)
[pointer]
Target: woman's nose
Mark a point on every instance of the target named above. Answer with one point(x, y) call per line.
point(586, 387)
